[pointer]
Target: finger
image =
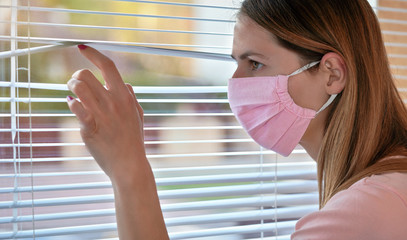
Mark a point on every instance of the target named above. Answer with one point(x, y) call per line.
point(83, 92)
point(107, 67)
point(86, 119)
point(131, 90)
point(94, 85)
point(139, 108)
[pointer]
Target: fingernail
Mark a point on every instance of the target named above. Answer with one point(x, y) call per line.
point(81, 46)
point(69, 98)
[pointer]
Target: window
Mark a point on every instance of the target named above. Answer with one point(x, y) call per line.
point(214, 182)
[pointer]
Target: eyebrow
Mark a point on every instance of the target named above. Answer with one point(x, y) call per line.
point(247, 54)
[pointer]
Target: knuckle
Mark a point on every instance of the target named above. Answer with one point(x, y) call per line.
point(108, 64)
point(72, 83)
point(82, 74)
point(141, 110)
point(128, 99)
point(87, 120)
point(78, 87)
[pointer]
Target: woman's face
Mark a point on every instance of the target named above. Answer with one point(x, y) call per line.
point(258, 53)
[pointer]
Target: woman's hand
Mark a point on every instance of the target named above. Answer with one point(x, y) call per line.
point(112, 128)
point(111, 120)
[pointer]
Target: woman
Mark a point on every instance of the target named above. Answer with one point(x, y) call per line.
point(341, 106)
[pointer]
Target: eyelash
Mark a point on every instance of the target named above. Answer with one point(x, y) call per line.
point(255, 66)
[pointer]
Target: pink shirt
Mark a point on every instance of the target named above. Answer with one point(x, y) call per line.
point(373, 208)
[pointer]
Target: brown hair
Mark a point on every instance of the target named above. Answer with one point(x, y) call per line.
point(368, 120)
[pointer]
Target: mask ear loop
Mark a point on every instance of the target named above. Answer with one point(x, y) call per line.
point(330, 100)
point(306, 67)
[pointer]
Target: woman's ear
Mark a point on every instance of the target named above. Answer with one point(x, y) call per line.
point(334, 67)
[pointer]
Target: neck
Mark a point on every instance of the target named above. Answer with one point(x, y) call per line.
point(312, 139)
point(311, 148)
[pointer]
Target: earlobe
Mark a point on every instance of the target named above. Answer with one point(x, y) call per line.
point(334, 68)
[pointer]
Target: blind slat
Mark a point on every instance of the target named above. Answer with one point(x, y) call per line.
point(98, 27)
point(226, 178)
point(63, 100)
point(267, 227)
point(192, 114)
point(280, 200)
point(181, 4)
point(296, 166)
point(106, 13)
point(137, 89)
point(249, 189)
point(146, 143)
point(149, 45)
point(27, 130)
point(270, 214)
point(121, 48)
point(156, 156)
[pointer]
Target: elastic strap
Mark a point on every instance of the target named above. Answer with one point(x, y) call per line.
point(306, 67)
point(330, 100)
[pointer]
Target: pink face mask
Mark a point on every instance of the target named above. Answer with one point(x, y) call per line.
point(267, 112)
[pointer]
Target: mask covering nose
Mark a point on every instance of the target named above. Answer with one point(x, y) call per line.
point(266, 111)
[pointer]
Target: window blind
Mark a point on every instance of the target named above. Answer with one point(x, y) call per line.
point(214, 182)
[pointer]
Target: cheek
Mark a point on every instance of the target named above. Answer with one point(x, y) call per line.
point(304, 93)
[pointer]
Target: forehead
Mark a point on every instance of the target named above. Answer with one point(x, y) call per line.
point(251, 37)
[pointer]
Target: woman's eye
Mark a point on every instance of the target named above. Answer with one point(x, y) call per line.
point(255, 65)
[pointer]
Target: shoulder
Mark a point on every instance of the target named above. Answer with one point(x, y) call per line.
point(372, 208)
